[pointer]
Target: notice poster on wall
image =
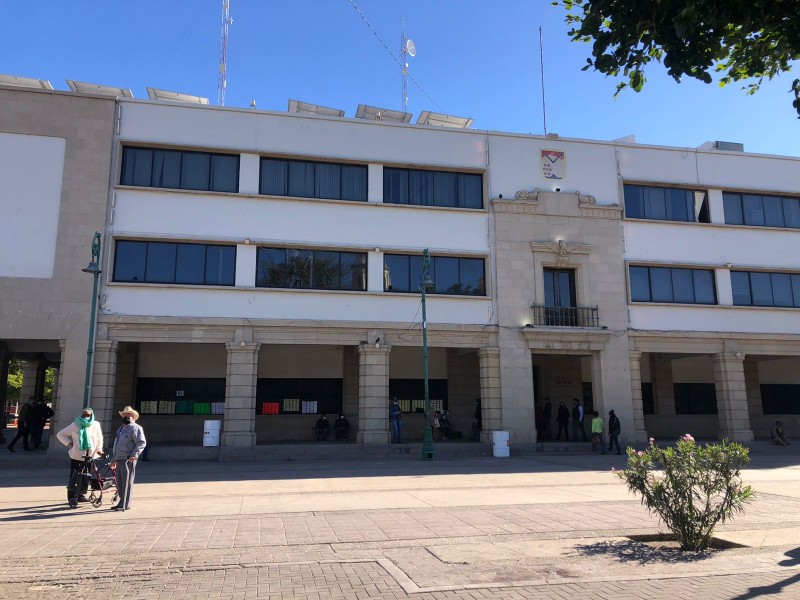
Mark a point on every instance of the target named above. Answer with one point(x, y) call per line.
point(554, 164)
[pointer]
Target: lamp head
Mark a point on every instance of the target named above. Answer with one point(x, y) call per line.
point(92, 268)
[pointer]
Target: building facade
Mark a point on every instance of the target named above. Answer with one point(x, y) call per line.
point(263, 268)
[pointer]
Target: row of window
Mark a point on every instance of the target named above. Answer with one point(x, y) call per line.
point(701, 399)
point(211, 264)
point(679, 204)
point(696, 286)
point(205, 171)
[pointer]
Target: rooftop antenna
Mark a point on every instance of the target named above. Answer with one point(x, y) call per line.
point(223, 54)
point(407, 48)
point(541, 63)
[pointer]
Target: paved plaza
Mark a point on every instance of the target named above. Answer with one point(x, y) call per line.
point(555, 526)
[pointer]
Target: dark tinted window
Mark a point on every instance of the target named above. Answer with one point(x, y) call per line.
point(760, 210)
point(311, 269)
point(179, 169)
point(780, 399)
point(753, 288)
point(167, 262)
point(695, 399)
point(307, 179)
point(663, 203)
point(432, 188)
point(129, 261)
point(450, 275)
point(667, 284)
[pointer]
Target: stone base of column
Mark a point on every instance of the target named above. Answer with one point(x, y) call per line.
point(737, 435)
point(372, 438)
point(238, 446)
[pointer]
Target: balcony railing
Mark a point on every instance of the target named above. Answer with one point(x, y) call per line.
point(565, 316)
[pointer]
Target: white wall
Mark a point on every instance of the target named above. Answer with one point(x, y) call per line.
point(712, 318)
point(743, 247)
point(265, 220)
point(31, 170)
point(144, 300)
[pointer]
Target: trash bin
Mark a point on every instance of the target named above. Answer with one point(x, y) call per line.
point(500, 444)
point(211, 430)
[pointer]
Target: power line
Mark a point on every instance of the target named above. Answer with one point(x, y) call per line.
point(411, 77)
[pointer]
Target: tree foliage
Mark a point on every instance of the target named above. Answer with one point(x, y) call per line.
point(742, 40)
point(690, 487)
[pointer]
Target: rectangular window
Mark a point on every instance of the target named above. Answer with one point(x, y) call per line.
point(665, 204)
point(307, 179)
point(761, 210)
point(311, 269)
point(695, 398)
point(673, 285)
point(755, 288)
point(169, 262)
point(780, 399)
point(648, 403)
point(180, 169)
point(450, 275)
point(178, 396)
point(432, 188)
point(298, 396)
point(410, 394)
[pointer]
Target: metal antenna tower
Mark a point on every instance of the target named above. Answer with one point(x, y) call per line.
point(407, 48)
point(223, 53)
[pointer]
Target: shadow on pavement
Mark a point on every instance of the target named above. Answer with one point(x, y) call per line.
point(643, 553)
point(778, 587)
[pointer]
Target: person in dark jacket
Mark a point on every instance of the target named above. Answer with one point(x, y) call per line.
point(24, 422)
point(577, 420)
point(342, 427)
point(614, 429)
point(562, 418)
point(321, 428)
point(41, 412)
point(129, 444)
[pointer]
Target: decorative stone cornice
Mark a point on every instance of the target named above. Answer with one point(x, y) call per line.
point(523, 195)
point(562, 249)
point(560, 340)
point(516, 206)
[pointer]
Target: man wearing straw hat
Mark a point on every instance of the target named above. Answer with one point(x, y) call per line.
point(128, 445)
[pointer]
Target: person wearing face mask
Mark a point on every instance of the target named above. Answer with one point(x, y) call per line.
point(128, 445)
point(84, 440)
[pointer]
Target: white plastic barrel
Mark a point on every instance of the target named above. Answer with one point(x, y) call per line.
point(500, 444)
point(211, 431)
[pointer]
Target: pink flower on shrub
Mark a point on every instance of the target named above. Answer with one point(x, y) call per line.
point(652, 440)
point(639, 453)
point(688, 438)
point(613, 470)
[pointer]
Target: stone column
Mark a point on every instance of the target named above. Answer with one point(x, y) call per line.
point(636, 395)
point(57, 419)
point(753, 386)
point(491, 397)
point(239, 427)
point(104, 379)
point(29, 370)
point(4, 360)
point(663, 390)
point(734, 418)
point(373, 394)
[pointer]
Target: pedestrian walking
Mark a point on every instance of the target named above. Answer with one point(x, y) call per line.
point(597, 433)
point(84, 440)
point(614, 429)
point(24, 421)
point(128, 445)
point(396, 421)
point(577, 420)
point(562, 418)
point(41, 412)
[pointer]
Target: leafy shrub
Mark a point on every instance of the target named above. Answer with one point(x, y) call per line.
point(690, 487)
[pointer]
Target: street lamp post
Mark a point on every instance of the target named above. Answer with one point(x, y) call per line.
point(428, 453)
point(95, 272)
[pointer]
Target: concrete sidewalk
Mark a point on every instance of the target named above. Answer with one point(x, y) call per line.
point(549, 526)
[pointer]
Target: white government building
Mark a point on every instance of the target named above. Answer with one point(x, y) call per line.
point(262, 268)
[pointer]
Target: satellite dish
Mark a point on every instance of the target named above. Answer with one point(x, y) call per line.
point(411, 48)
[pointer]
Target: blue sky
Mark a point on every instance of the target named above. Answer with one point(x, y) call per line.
point(475, 58)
